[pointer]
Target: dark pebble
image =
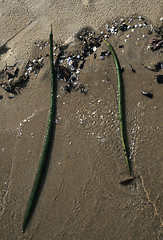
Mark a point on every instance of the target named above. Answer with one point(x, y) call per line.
point(1, 96)
point(159, 79)
point(147, 94)
point(121, 46)
point(158, 66)
point(133, 70)
point(67, 88)
point(123, 27)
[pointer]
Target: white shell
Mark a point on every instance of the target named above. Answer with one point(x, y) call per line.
point(94, 48)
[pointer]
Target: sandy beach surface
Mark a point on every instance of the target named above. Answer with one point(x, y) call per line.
point(81, 198)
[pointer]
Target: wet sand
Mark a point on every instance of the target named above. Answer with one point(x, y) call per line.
point(81, 197)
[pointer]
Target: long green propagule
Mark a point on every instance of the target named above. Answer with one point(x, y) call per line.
point(47, 142)
point(121, 112)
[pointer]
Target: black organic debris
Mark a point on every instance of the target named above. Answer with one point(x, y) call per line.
point(133, 70)
point(127, 181)
point(156, 67)
point(156, 44)
point(123, 27)
point(159, 78)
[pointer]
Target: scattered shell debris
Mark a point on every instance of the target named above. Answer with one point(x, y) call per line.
point(71, 64)
point(26, 120)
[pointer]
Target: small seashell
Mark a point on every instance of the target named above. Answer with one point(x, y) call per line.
point(94, 48)
point(140, 25)
point(29, 69)
point(133, 30)
point(102, 57)
point(104, 53)
point(11, 80)
point(72, 68)
point(147, 94)
point(76, 83)
point(11, 96)
point(136, 26)
point(34, 61)
point(70, 62)
point(40, 59)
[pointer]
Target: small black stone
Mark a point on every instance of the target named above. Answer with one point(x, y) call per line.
point(159, 79)
point(122, 69)
point(133, 70)
point(121, 46)
point(1, 96)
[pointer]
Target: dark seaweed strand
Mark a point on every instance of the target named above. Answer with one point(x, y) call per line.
point(29, 209)
point(121, 107)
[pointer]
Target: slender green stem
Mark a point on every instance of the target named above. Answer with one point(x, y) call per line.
point(47, 141)
point(121, 107)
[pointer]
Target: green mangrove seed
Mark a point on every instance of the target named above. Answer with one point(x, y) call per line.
point(47, 142)
point(121, 111)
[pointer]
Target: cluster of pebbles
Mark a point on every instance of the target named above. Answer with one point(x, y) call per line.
point(71, 64)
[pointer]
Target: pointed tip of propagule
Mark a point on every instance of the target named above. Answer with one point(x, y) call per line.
point(51, 29)
point(23, 228)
